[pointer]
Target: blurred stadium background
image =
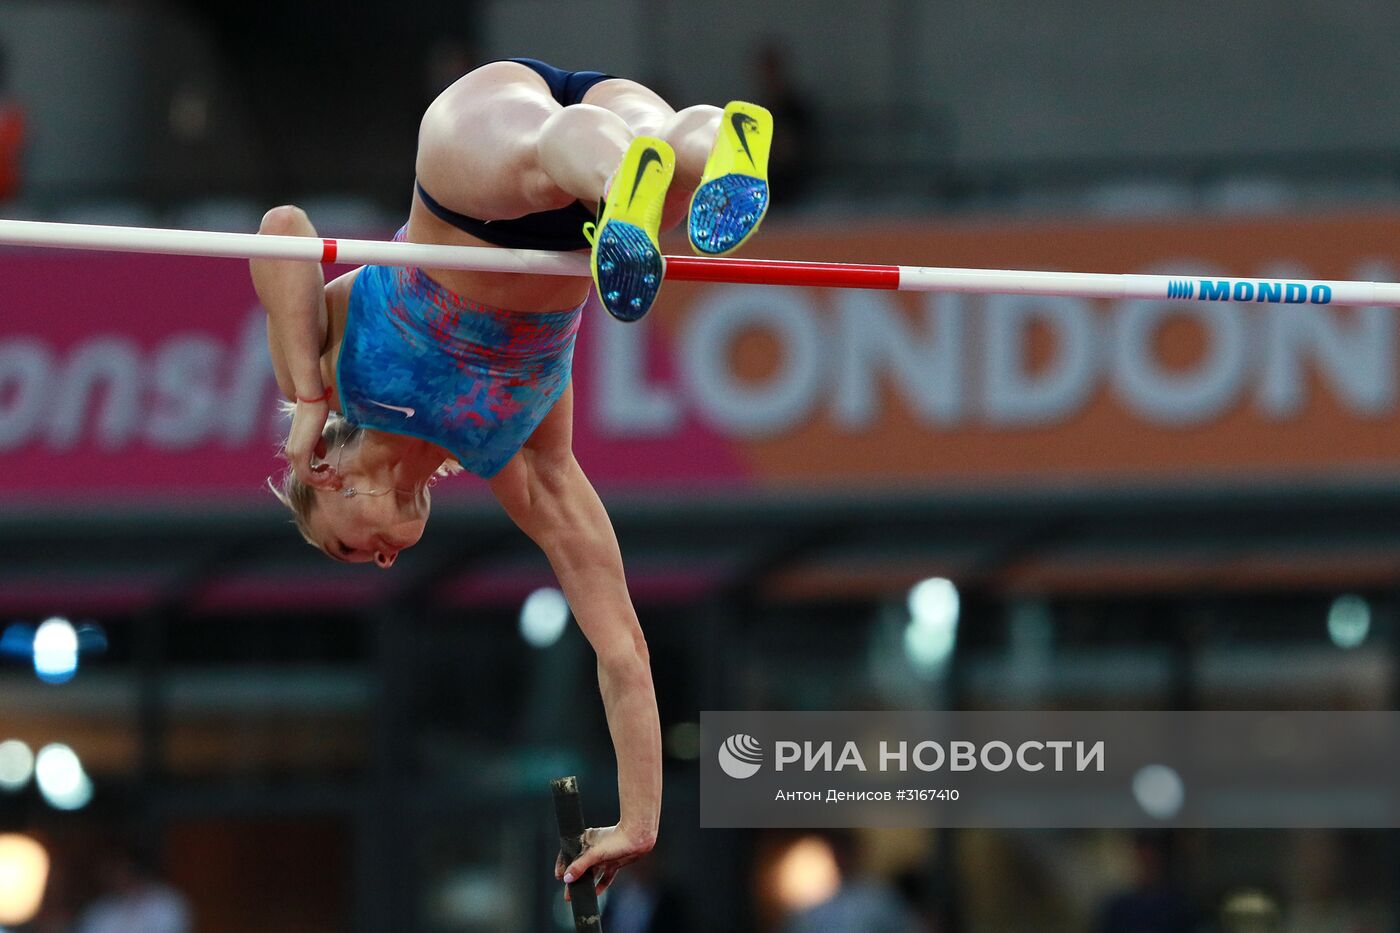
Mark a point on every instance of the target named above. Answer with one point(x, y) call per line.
point(1136, 506)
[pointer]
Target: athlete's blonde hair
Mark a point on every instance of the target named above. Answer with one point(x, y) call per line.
point(300, 498)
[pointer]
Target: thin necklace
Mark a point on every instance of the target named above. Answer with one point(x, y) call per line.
point(350, 491)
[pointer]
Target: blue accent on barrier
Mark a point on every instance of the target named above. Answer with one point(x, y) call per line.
point(1261, 291)
point(1215, 290)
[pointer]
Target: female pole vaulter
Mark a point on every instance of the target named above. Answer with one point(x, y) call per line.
point(398, 375)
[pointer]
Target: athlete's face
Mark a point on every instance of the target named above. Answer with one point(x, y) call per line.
point(363, 528)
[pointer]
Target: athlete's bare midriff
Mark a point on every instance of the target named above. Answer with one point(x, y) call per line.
point(499, 290)
point(510, 291)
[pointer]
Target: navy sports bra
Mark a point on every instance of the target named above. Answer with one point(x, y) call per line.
point(560, 229)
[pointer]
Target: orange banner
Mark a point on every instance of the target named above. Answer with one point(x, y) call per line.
point(835, 387)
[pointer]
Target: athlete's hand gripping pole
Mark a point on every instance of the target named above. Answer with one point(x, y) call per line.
point(568, 811)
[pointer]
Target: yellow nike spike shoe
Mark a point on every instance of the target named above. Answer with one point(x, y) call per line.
point(627, 263)
point(733, 195)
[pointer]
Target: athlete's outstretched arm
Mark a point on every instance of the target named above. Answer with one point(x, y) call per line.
point(545, 492)
point(294, 295)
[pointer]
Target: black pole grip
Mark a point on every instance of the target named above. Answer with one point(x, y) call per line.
point(568, 811)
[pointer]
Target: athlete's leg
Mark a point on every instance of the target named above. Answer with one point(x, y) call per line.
point(580, 147)
point(496, 145)
point(691, 133)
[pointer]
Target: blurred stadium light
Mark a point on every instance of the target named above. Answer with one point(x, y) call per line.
point(56, 651)
point(61, 778)
point(805, 874)
point(1348, 621)
point(933, 624)
point(1159, 790)
point(24, 872)
point(543, 617)
point(16, 765)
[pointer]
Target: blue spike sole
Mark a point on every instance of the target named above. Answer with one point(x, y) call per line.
point(725, 211)
point(630, 270)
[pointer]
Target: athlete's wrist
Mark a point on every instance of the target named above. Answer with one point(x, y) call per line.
point(640, 834)
point(314, 399)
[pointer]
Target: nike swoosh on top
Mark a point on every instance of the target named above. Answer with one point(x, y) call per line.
point(741, 122)
point(648, 157)
point(402, 409)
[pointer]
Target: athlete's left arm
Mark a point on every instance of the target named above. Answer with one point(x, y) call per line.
point(546, 493)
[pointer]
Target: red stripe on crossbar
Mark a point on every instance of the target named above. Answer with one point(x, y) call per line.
point(328, 250)
point(780, 272)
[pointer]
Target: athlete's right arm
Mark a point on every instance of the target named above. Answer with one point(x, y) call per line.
point(294, 294)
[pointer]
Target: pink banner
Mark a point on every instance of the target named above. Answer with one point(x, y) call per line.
point(148, 376)
point(132, 374)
